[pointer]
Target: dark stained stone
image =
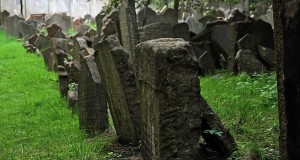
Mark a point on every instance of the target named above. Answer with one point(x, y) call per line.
point(247, 62)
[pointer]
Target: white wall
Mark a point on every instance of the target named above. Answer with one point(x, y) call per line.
point(75, 8)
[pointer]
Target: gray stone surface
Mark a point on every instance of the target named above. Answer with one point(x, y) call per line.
point(268, 55)
point(61, 20)
point(119, 80)
point(93, 115)
point(247, 62)
point(26, 30)
point(194, 25)
point(144, 14)
point(99, 22)
point(166, 67)
point(155, 31)
point(181, 30)
point(83, 28)
point(42, 42)
point(236, 16)
point(12, 27)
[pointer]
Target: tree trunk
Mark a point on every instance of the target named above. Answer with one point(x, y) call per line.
point(287, 48)
point(21, 3)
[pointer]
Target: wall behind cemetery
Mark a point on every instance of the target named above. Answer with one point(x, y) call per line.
point(74, 8)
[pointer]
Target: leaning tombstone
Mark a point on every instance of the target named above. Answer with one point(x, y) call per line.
point(26, 30)
point(63, 80)
point(42, 42)
point(181, 30)
point(174, 115)
point(119, 81)
point(12, 27)
point(93, 115)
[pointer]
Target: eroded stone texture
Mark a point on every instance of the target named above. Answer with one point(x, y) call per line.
point(181, 30)
point(120, 83)
point(247, 62)
point(144, 14)
point(236, 31)
point(42, 42)
point(26, 30)
point(63, 80)
point(170, 100)
point(93, 116)
point(12, 27)
point(153, 31)
point(62, 20)
point(49, 59)
point(172, 109)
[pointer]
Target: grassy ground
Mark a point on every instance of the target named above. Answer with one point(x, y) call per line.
point(248, 108)
point(35, 122)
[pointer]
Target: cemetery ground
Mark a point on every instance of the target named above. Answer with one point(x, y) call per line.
point(37, 124)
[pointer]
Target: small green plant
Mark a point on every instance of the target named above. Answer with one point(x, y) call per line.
point(213, 132)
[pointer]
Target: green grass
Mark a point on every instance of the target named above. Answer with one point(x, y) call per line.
point(35, 121)
point(248, 108)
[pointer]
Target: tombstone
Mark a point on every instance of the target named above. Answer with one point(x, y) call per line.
point(3, 15)
point(247, 62)
point(267, 54)
point(150, 31)
point(128, 28)
point(144, 14)
point(236, 31)
point(194, 25)
point(72, 96)
point(181, 30)
point(261, 9)
point(205, 35)
point(236, 16)
point(250, 42)
point(99, 23)
point(62, 44)
point(265, 31)
point(83, 28)
point(49, 59)
point(93, 115)
point(220, 36)
point(59, 34)
point(108, 28)
point(61, 20)
point(170, 17)
point(52, 30)
point(208, 18)
point(32, 39)
point(120, 83)
point(12, 27)
point(91, 33)
point(170, 99)
point(42, 42)
point(207, 61)
point(26, 30)
point(79, 45)
point(268, 18)
point(72, 71)
point(63, 80)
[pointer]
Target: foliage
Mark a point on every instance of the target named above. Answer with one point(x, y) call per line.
point(247, 105)
point(35, 121)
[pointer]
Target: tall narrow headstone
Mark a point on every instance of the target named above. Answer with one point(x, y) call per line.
point(93, 115)
point(129, 28)
point(120, 83)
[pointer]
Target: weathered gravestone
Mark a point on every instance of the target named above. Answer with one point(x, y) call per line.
point(54, 31)
point(174, 115)
point(181, 30)
point(49, 59)
point(93, 115)
point(247, 62)
point(194, 25)
point(79, 44)
point(220, 36)
point(129, 29)
point(72, 95)
point(12, 27)
point(61, 20)
point(236, 31)
point(32, 39)
point(99, 22)
point(119, 81)
point(3, 15)
point(63, 80)
point(144, 14)
point(236, 16)
point(268, 56)
point(155, 31)
point(42, 42)
point(26, 30)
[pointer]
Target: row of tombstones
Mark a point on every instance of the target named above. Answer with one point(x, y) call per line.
point(154, 99)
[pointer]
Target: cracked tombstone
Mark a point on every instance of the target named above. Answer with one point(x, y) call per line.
point(93, 115)
point(174, 115)
point(120, 83)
